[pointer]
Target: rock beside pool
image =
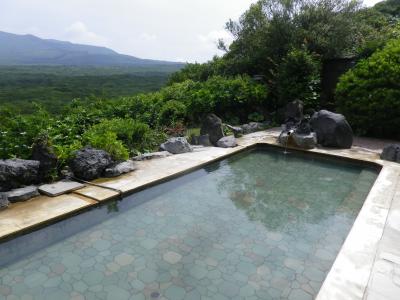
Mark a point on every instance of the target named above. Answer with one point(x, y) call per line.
point(305, 141)
point(177, 145)
point(120, 168)
point(4, 203)
point(237, 131)
point(152, 155)
point(212, 125)
point(90, 163)
point(252, 127)
point(391, 152)
point(22, 194)
point(42, 152)
point(332, 129)
point(227, 142)
point(15, 173)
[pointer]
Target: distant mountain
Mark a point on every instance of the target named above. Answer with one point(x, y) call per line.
point(30, 50)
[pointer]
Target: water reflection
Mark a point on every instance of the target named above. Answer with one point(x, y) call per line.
point(289, 191)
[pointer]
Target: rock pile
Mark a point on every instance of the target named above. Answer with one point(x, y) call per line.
point(325, 128)
point(391, 152)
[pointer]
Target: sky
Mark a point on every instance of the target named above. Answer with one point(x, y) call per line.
point(175, 30)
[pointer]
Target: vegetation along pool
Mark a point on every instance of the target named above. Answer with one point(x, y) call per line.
point(258, 225)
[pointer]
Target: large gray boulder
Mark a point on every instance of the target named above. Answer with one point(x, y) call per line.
point(332, 129)
point(42, 152)
point(177, 145)
point(227, 142)
point(15, 173)
point(391, 152)
point(22, 194)
point(89, 163)
point(120, 168)
point(212, 125)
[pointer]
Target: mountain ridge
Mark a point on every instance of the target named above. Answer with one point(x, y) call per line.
point(28, 49)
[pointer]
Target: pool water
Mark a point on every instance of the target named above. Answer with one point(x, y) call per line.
point(259, 225)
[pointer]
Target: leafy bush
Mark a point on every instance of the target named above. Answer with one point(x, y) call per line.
point(369, 94)
point(107, 141)
point(171, 112)
point(226, 97)
point(255, 117)
point(124, 135)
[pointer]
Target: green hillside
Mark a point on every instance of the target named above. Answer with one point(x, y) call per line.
point(55, 86)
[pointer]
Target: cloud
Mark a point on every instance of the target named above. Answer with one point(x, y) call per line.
point(148, 37)
point(79, 33)
point(210, 39)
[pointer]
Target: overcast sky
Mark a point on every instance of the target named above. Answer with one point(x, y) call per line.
point(177, 30)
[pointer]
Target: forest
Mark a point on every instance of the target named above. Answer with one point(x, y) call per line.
point(53, 87)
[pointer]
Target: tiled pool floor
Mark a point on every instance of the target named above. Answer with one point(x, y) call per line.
point(258, 226)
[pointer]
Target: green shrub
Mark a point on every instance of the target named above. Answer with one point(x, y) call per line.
point(255, 117)
point(107, 141)
point(226, 97)
point(369, 94)
point(124, 135)
point(171, 112)
point(65, 152)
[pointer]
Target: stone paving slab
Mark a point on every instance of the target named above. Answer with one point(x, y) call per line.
point(59, 188)
point(41, 209)
point(97, 193)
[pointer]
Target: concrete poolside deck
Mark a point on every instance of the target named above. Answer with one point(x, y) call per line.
point(367, 267)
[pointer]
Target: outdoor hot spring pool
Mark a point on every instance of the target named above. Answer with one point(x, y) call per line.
point(258, 225)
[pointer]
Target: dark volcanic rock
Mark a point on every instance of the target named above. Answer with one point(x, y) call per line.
point(304, 127)
point(177, 145)
point(15, 173)
point(227, 142)
point(305, 141)
point(332, 129)
point(212, 125)
point(120, 168)
point(22, 194)
point(252, 127)
point(237, 131)
point(42, 152)
point(90, 163)
point(391, 152)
